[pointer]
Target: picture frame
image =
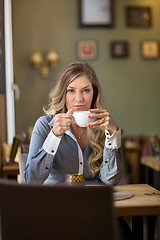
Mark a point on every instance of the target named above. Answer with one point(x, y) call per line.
point(119, 49)
point(138, 16)
point(87, 49)
point(150, 49)
point(96, 13)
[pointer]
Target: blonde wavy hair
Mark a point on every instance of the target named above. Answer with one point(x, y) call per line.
point(57, 105)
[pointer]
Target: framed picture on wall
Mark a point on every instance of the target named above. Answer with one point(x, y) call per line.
point(87, 49)
point(138, 16)
point(150, 49)
point(119, 49)
point(96, 13)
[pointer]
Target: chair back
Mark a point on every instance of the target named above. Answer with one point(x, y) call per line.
point(22, 160)
point(59, 212)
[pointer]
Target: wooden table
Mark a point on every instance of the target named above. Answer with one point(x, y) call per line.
point(10, 170)
point(145, 202)
point(151, 162)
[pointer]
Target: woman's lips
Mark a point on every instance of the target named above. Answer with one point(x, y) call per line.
point(78, 106)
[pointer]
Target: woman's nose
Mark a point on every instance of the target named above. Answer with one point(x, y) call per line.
point(78, 97)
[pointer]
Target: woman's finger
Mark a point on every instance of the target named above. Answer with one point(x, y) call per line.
point(99, 114)
point(61, 124)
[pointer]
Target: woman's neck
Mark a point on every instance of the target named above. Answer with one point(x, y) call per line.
point(81, 135)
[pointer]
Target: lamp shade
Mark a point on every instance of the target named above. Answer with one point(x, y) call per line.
point(36, 58)
point(52, 58)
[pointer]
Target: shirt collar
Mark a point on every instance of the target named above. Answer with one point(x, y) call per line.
point(51, 123)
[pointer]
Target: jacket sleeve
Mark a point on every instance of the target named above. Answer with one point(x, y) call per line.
point(39, 161)
point(112, 165)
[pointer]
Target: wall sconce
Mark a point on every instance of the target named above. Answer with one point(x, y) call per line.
point(44, 63)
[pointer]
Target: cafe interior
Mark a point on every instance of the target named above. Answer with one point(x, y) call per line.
point(121, 41)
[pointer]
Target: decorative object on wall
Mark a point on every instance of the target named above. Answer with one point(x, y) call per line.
point(87, 49)
point(119, 49)
point(138, 16)
point(44, 63)
point(150, 49)
point(96, 13)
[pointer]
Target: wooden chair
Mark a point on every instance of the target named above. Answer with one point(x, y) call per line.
point(8, 165)
point(59, 212)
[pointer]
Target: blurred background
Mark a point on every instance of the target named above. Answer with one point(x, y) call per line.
point(48, 32)
point(130, 85)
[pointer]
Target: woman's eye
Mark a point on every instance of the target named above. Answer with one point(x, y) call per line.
point(70, 90)
point(86, 90)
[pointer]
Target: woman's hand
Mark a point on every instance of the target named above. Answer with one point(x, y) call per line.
point(103, 118)
point(62, 122)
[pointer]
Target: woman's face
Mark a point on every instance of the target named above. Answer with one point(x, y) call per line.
point(79, 94)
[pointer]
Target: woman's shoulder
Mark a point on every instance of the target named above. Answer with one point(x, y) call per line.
point(43, 121)
point(45, 118)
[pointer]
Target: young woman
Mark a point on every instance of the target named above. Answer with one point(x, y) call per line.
point(58, 146)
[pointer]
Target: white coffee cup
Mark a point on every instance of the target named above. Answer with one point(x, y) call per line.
point(81, 118)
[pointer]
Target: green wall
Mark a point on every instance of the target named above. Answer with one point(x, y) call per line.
point(131, 86)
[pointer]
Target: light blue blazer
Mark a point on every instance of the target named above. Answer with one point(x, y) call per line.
point(50, 157)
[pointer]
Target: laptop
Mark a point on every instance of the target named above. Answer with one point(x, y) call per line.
point(59, 212)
